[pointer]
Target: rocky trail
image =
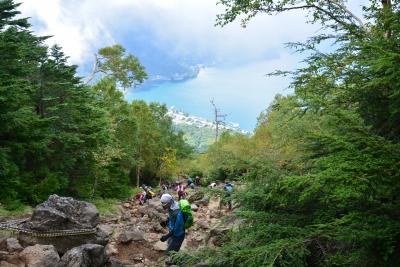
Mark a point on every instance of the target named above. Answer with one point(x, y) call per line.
point(130, 238)
point(136, 232)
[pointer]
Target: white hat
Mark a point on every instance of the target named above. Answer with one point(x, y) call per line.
point(166, 198)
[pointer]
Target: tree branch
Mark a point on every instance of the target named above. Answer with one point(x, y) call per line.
point(94, 69)
point(312, 6)
point(351, 14)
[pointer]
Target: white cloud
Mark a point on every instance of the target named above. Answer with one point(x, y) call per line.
point(184, 29)
point(79, 32)
point(81, 27)
point(187, 26)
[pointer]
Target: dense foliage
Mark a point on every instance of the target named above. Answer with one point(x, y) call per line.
point(323, 167)
point(58, 135)
point(198, 137)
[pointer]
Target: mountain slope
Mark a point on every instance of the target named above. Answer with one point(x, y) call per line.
point(198, 132)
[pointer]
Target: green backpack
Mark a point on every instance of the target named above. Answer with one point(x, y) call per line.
point(186, 209)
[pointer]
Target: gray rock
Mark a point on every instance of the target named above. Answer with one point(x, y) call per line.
point(216, 234)
point(114, 262)
point(198, 237)
point(8, 259)
point(155, 215)
point(131, 235)
point(63, 213)
point(157, 227)
point(195, 196)
point(160, 246)
point(13, 245)
point(156, 204)
point(89, 255)
point(107, 229)
point(142, 210)
point(7, 264)
point(203, 224)
point(65, 243)
point(151, 237)
point(111, 249)
point(219, 230)
point(194, 207)
point(137, 257)
point(3, 243)
point(126, 216)
point(146, 218)
point(203, 202)
point(100, 238)
point(40, 256)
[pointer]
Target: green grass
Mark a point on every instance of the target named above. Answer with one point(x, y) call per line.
point(21, 210)
point(212, 192)
point(106, 207)
point(135, 190)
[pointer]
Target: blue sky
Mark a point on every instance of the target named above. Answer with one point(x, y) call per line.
point(188, 59)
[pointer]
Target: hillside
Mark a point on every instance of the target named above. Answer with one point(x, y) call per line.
point(198, 132)
point(198, 137)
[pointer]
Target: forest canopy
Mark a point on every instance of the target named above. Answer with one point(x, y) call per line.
point(60, 135)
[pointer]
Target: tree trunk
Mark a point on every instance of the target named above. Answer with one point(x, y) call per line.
point(387, 10)
point(94, 186)
point(137, 176)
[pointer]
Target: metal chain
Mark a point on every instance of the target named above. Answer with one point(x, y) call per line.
point(13, 228)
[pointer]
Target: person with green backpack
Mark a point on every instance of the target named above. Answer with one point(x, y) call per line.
point(179, 219)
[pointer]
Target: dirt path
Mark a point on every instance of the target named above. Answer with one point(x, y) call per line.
point(135, 233)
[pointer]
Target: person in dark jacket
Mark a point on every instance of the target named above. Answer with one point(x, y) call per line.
point(228, 187)
point(176, 223)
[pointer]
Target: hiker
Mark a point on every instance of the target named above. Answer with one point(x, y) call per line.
point(228, 187)
point(190, 183)
point(164, 187)
point(176, 223)
point(142, 197)
point(197, 180)
point(180, 188)
point(213, 185)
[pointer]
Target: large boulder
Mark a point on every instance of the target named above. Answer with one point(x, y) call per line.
point(88, 255)
point(64, 213)
point(40, 256)
point(65, 243)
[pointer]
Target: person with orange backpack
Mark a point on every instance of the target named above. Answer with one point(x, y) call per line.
point(145, 195)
